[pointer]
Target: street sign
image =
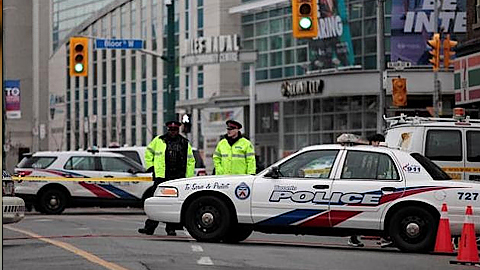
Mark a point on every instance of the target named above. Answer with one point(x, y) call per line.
point(399, 65)
point(119, 43)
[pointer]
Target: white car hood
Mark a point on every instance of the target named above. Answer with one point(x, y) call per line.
point(211, 178)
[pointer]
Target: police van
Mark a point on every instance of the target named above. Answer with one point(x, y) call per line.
point(452, 143)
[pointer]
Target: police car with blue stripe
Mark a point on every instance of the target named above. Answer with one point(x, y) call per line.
point(323, 190)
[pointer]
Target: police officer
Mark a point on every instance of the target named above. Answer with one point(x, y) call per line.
point(169, 157)
point(234, 153)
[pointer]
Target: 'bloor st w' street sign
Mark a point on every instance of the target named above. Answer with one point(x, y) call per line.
point(119, 43)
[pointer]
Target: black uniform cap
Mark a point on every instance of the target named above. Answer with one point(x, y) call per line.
point(173, 124)
point(234, 124)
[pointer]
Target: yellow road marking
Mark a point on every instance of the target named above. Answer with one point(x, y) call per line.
point(81, 179)
point(71, 248)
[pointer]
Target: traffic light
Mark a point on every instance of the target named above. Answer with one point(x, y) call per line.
point(399, 92)
point(79, 56)
point(187, 124)
point(304, 18)
point(435, 51)
point(447, 51)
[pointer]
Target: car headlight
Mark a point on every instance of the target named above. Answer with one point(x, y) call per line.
point(166, 192)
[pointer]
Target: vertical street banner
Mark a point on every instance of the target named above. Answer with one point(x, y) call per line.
point(12, 99)
point(333, 46)
point(467, 79)
point(412, 25)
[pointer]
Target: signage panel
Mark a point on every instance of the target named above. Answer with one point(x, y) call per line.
point(119, 43)
point(12, 99)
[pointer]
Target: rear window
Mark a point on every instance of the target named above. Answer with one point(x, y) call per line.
point(131, 154)
point(473, 146)
point(36, 162)
point(435, 172)
point(198, 159)
point(444, 145)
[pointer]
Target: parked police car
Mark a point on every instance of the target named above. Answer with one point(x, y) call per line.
point(53, 181)
point(137, 153)
point(322, 190)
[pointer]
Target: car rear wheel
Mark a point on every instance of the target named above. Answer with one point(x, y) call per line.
point(238, 233)
point(208, 219)
point(413, 229)
point(52, 202)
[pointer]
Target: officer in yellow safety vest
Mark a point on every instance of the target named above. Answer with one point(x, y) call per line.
point(169, 157)
point(234, 153)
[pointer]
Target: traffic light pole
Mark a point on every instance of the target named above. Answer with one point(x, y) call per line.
point(436, 83)
point(169, 114)
point(381, 64)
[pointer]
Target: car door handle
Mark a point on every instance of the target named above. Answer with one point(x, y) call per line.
point(108, 176)
point(388, 189)
point(321, 186)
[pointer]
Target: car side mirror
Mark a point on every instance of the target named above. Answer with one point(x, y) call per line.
point(132, 171)
point(273, 172)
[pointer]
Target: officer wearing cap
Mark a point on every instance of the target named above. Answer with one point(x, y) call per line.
point(169, 157)
point(234, 153)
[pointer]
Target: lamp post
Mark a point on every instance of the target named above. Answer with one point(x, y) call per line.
point(381, 63)
point(170, 106)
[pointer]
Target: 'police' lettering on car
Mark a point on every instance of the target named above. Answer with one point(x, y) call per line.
point(322, 198)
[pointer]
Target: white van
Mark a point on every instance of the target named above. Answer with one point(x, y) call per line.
point(452, 143)
point(137, 153)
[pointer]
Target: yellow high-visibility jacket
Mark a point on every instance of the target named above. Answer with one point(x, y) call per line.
point(236, 159)
point(155, 156)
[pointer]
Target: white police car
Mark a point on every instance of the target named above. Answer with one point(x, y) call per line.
point(322, 190)
point(52, 181)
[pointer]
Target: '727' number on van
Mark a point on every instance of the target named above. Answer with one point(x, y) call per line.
point(467, 196)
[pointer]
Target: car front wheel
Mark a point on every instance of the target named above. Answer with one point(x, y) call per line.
point(52, 202)
point(208, 219)
point(413, 229)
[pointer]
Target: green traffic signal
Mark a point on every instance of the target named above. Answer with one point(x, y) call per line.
point(78, 67)
point(305, 23)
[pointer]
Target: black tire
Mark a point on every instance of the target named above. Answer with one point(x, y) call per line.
point(238, 234)
point(413, 229)
point(207, 219)
point(52, 202)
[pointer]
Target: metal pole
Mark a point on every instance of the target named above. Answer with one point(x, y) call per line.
point(381, 64)
point(436, 84)
point(252, 103)
point(170, 106)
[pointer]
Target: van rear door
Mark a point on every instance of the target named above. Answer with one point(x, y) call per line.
point(472, 163)
point(445, 147)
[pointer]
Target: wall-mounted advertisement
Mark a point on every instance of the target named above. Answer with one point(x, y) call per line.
point(333, 46)
point(413, 22)
point(12, 99)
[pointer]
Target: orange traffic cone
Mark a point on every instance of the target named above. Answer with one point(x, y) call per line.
point(443, 244)
point(467, 250)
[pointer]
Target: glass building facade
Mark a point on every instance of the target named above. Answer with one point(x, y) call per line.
point(67, 14)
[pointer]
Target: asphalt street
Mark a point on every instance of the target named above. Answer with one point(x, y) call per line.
point(107, 238)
